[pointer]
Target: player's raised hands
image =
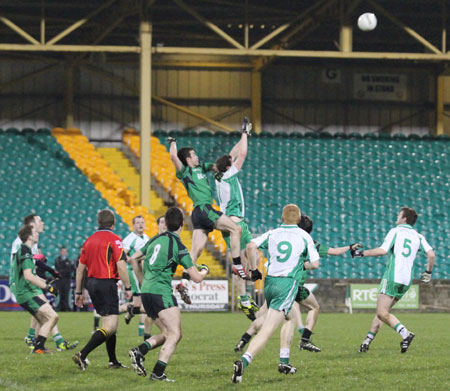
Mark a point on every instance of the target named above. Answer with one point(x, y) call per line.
point(246, 126)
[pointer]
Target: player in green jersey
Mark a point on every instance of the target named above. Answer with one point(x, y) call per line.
point(204, 217)
point(231, 201)
point(401, 246)
point(148, 322)
point(163, 253)
point(37, 223)
point(28, 288)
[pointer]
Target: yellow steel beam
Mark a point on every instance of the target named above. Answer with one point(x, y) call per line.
point(201, 64)
point(256, 100)
point(209, 24)
point(230, 52)
point(42, 22)
point(68, 48)
point(407, 29)
point(78, 24)
point(145, 109)
point(304, 53)
point(19, 31)
point(440, 93)
point(444, 26)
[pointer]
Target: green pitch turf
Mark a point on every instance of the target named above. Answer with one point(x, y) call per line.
point(205, 356)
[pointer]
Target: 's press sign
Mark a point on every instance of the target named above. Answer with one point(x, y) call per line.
point(365, 296)
point(208, 295)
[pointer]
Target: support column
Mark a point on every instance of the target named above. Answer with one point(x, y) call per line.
point(440, 105)
point(145, 110)
point(256, 100)
point(68, 97)
point(346, 31)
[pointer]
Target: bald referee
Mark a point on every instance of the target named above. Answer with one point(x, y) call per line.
point(103, 257)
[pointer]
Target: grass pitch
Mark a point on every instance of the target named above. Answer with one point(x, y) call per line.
point(205, 356)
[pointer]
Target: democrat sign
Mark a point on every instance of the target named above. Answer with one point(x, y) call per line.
point(7, 300)
point(365, 296)
point(208, 295)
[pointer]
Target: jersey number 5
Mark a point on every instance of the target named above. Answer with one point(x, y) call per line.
point(284, 248)
point(407, 248)
point(155, 254)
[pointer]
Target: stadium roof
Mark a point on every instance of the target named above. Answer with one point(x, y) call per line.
point(240, 30)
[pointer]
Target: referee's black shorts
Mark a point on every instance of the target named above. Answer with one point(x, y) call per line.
point(104, 295)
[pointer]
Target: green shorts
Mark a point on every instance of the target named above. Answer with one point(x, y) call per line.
point(246, 236)
point(302, 294)
point(280, 293)
point(32, 304)
point(154, 304)
point(393, 289)
point(134, 282)
point(205, 217)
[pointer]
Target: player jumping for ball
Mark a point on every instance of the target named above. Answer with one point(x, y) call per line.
point(204, 217)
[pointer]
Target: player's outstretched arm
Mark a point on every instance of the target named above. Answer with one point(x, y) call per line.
point(173, 153)
point(124, 276)
point(311, 265)
point(374, 252)
point(239, 151)
point(198, 273)
point(342, 250)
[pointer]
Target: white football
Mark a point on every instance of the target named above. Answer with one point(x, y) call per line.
point(367, 21)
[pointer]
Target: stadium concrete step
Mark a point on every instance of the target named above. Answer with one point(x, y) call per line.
point(122, 166)
point(106, 180)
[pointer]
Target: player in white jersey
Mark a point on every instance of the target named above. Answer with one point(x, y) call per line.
point(36, 222)
point(401, 246)
point(231, 200)
point(133, 242)
point(286, 245)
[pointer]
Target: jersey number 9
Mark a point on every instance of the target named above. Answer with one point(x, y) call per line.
point(284, 248)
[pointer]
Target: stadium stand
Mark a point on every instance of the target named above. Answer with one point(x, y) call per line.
point(352, 187)
point(39, 176)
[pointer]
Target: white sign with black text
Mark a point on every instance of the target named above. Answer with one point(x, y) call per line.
point(208, 295)
point(387, 87)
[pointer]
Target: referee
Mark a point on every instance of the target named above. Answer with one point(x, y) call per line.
point(103, 256)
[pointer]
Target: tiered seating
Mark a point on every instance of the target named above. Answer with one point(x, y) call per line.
point(351, 187)
point(39, 177)
point(163, 170)
point(106, 181)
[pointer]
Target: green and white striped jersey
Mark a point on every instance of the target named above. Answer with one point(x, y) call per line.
point(286, 245)
point(132, 243)
point(229, 193)
point(402, 244)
